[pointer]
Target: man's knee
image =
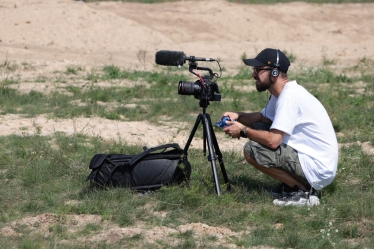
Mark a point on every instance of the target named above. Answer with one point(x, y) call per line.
point(248, 158)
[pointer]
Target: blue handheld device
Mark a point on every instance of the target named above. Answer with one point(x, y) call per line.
point(223, 123)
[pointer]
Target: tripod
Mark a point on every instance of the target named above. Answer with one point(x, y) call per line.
point(210, 138)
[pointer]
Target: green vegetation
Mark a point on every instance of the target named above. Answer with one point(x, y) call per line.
point(142, 88)
point(38, 180)
point(44, 176)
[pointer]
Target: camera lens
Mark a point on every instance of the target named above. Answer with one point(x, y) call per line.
point(188, 88)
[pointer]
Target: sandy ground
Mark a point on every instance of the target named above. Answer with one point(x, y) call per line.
point(52, 35)
point(67, 31)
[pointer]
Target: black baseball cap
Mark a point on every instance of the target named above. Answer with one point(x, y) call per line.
point(268, 57)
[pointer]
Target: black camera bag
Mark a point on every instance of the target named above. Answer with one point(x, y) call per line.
point(150, 170)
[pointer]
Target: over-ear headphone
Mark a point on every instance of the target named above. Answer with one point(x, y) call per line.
point(275, 71)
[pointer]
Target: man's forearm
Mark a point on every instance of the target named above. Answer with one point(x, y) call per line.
point(248, 119)
point(271, 139)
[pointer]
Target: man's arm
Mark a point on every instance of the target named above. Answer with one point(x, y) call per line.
point(248, 119)
point(271, 139)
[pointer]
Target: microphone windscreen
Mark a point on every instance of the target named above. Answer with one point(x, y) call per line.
point(170, 58)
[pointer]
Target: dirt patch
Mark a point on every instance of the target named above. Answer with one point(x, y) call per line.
point(112, 233)
point(367, 147)
point(132, 133)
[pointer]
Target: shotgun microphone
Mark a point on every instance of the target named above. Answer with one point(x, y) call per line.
point(176, 58)
point(170, 58)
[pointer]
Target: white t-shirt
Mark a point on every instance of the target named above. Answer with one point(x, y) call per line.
point(308, 130)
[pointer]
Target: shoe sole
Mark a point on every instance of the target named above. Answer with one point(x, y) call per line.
point(302, 202)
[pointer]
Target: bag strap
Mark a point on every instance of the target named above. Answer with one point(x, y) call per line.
point(97, 160)
point(143, 154)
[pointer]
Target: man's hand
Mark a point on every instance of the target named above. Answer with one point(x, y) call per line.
point(234, 128)
point(231, 115)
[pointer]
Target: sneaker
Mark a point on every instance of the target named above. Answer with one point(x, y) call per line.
point(300, 198)
point(281, 191)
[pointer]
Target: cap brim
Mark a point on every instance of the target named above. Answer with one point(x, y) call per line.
point(253, 63)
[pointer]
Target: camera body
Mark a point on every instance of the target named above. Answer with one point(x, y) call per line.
point(206, 90)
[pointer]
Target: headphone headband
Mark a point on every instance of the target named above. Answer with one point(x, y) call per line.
point(277, 63)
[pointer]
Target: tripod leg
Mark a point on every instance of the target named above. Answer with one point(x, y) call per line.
point(210, 139)
point(198, 120)
point(218, 152)
point(211, 157)
point(204, 141)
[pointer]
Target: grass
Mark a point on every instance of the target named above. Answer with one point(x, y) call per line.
point(39, 180)
point(45, 175)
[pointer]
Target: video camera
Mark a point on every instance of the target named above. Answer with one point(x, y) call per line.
point(204, 89)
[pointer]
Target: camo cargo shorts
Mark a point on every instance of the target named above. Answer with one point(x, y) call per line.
point(284, 157)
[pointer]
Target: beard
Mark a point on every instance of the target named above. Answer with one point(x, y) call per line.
point(263, 85)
